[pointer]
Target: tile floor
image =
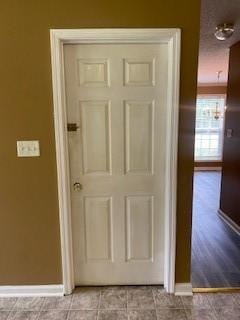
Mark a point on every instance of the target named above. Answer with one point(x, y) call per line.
point(123, 303)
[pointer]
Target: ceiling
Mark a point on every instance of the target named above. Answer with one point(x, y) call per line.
point(213, 54)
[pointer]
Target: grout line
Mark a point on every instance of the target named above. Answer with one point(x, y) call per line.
point(99, 301)
point(42, 306)
point(14, 304)
point(70, 305)
point(68, 314)
point(69, 308)
point(12, 309)
point(39, 313)
point(154, 300)
point(8, 315)
point(185, 311)
point(214, 311)
point(185, 308)
point(127, 298)
point(128, 316)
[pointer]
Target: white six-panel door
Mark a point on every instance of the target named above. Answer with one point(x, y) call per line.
point(116, 94)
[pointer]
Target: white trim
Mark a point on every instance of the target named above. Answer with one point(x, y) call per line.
point(235, 227)
point(62, 162)
point(167, 36)
point(183, 289)
point(31, 291)
point(171, 162)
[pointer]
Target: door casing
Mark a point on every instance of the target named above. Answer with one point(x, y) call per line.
point(58, 38)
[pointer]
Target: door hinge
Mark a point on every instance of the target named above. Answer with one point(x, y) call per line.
point(72, 127)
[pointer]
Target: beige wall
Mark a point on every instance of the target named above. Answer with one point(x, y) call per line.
point(29, 224)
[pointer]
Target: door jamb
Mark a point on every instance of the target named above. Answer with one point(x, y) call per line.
point(58, 38)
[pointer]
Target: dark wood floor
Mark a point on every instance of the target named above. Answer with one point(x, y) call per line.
point(215, 247)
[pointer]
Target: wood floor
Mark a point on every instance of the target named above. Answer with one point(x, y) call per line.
point(215, 247)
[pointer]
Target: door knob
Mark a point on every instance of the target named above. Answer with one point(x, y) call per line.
point(77, 186)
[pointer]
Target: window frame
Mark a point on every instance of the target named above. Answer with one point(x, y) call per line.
point(211, 96)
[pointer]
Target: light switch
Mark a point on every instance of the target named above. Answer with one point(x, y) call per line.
point(28, 148)
point(229, 133)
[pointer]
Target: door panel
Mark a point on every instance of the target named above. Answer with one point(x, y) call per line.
point(139, 125)
point(98, 228)
point(139, 72)
point(95, 134)
point(116, 94)
point(93, 72)
point(139, 217)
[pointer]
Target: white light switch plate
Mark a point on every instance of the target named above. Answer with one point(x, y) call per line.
point(28, 148)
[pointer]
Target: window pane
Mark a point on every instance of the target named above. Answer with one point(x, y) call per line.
point(209, 127)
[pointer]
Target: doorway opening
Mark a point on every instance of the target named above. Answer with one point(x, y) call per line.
point(215, 262)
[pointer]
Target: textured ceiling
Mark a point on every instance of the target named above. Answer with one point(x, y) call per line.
point(213, 54)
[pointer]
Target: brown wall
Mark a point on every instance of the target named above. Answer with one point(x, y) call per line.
point(29, 228)
point(230, 190)
point(212, 90)
point(207, 164)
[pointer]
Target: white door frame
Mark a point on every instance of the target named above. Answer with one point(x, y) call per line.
point(171, 37)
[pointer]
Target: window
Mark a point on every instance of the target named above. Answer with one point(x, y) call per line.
point(209, 127)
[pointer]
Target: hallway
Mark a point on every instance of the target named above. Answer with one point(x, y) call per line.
point(215, 246)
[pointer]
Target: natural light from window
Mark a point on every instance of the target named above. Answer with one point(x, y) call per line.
point(209, 127)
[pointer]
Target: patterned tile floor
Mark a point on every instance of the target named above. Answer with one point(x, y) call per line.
point(123, 303)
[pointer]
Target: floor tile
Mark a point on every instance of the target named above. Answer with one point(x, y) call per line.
point(142, 315)
point(82, 315)
point(123, 303)
point(228, 313)
point(200, 314)
point(53, 315)
point(23, 315)
point(140, 298)
point(236, 299)
point(115, 298)
point(30, 304)
point(196, 301)
point(7, 303)
point(171, 314)
point(85, 298)
point(4, 315)
point(112, 315)
point(62, 303)
point(221, 300)
point(164, 300)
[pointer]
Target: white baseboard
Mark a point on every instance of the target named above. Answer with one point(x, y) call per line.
point(32, 291)
point(229, 221)
point(183, 289)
